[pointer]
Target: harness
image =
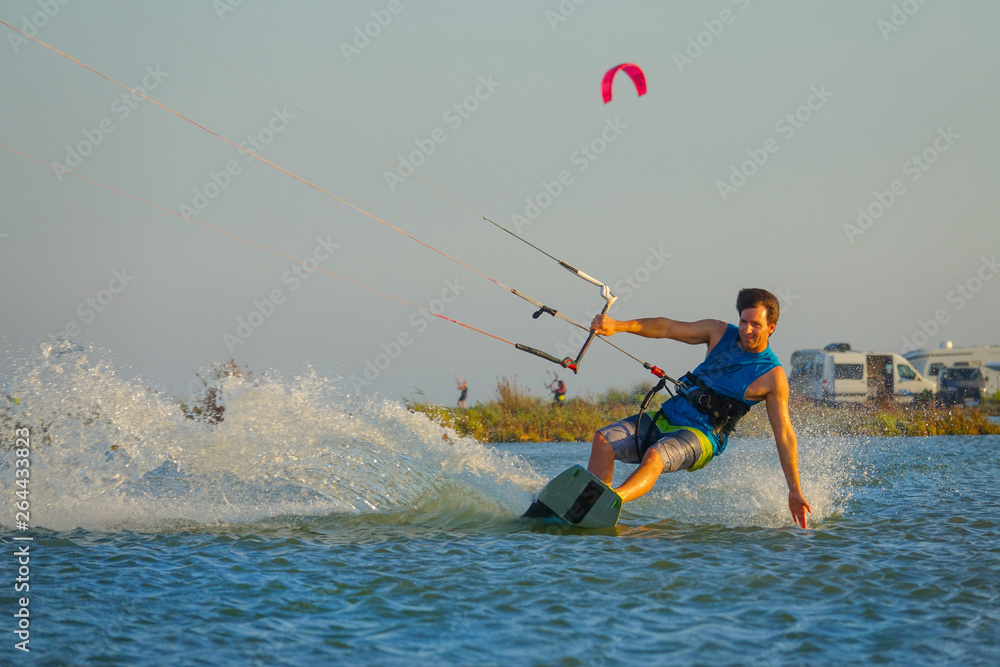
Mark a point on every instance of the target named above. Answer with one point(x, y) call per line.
point(647, 439)
point(723, 412)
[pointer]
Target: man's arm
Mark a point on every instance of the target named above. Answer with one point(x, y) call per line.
point(707, 332)
point(776, 401)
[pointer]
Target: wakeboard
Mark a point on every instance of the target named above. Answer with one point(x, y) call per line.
point(578, 498)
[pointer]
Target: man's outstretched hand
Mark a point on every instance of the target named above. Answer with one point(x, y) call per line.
point(799, 506)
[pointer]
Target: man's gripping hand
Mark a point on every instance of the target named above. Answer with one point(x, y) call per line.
point(603, 325)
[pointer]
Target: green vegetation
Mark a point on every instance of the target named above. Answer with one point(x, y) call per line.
point(889, 419)
point(516, 416)
point(991, 407)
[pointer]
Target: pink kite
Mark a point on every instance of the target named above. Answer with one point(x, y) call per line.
point(638, 78)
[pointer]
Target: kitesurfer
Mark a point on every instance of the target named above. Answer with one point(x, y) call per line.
point(558, 389)
point(690, 428)
point(463, 387)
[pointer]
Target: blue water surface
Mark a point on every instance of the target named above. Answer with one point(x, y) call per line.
point(905, 571)
point(310, 527)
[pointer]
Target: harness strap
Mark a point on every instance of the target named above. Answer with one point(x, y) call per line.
point(638, 422)
point(723, 412)
point(656, 419)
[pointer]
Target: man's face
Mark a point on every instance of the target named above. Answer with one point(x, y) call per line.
point(754, 329)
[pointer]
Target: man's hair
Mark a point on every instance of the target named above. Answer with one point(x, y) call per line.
point(751, 297)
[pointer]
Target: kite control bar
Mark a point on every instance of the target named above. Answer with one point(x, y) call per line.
point(572, 364)
point(609, 299)
point(605, 290)
point(565, 363)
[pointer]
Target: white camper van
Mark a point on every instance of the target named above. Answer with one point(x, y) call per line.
point(987, 358)
point(857, 377)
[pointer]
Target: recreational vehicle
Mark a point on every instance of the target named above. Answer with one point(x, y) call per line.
point(858, 377)
point(987, 358)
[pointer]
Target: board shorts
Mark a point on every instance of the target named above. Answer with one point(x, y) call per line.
point(680, 448)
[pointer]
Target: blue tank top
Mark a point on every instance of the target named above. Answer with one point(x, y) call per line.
point(729, 370)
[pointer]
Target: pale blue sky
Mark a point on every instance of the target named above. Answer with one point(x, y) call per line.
point(879, 96)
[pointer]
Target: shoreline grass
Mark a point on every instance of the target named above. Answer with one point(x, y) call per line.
point(516, 416)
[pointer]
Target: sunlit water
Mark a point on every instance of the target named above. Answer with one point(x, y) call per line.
point(315, 527)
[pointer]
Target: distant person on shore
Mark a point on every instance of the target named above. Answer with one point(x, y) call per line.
point(690, 428)
point(558, 389)
point(463, 387)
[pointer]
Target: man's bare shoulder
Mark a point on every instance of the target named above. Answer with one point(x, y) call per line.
point(712, 330)
point(719, 326)
point(699, 332)
point(773, 383)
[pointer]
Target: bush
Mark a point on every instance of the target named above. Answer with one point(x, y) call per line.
point(516, 416)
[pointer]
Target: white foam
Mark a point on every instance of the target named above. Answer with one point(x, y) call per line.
point(746, 487)
point(113, 453)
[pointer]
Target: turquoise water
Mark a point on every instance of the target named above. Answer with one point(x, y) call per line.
point(314, 527)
